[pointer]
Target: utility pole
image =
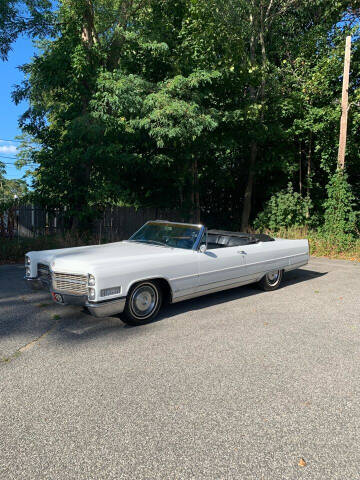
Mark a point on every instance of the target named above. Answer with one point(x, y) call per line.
point(344, 105)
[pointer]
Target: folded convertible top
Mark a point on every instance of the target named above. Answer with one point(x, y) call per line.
point(261, 237)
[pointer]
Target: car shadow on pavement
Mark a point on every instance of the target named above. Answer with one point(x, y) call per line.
point(29, 316)
point(209, 300)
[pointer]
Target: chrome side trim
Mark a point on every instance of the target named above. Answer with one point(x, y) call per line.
point(183, 278)
point(213, 290)
point(294, 266)
point(199, 238)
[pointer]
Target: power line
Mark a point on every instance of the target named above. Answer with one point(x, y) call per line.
point(12, 163)
point(5, 156)
point(22, 166)
point(5, 140)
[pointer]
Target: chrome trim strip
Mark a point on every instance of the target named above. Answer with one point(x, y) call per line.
point(176, 223)
point(199, 238)
point(214, 290)
point(77, 282)
point(182, 278)
point(294, 266)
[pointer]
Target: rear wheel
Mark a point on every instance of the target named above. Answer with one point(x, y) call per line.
point(143, 303)
point(271, 281)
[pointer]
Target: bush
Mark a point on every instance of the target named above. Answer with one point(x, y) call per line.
point(340, 218)
point(285, 209)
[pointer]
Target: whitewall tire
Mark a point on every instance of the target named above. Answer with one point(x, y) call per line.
point(271, 281)
point(143, 303)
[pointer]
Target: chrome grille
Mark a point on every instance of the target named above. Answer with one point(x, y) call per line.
point(70, 283)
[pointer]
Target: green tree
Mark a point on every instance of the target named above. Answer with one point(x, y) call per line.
point(29, 17)
point(211, 106)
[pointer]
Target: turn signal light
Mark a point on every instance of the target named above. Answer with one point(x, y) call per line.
point(91, 295)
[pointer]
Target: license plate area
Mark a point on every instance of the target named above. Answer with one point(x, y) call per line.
point(57, 297)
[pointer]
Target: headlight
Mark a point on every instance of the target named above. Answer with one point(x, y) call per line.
point(91, 295)
point(27, 271)
point(27, 260)
point(91, 280)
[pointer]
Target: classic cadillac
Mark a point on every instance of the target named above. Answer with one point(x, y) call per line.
point(162, 262)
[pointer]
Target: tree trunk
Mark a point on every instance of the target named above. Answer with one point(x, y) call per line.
point(2, 225)
point(89, 34)
point(260, 34)
point(195, 197)
point(253, 147)
point(300, 167)
point(81, 220)
point(308, 182)
point(249, 189)
point(309, 167)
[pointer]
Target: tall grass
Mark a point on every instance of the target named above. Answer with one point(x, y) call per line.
point(346, 248)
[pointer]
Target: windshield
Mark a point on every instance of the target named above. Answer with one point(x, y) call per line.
point(176, 235)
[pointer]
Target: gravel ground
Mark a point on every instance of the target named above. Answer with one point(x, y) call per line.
point(236, 385)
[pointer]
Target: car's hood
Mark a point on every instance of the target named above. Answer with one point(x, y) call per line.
point(90, 258)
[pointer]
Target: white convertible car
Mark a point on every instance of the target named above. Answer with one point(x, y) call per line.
point(163, 261)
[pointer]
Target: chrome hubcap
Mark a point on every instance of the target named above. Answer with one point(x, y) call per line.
point(273, 277)
point(144, 300)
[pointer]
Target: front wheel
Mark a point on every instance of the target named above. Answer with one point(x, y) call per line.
point(271, 281)
point(143, 303)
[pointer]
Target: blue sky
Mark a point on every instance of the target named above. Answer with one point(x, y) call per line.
point(21, 53)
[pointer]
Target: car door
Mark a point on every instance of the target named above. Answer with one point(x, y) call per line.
point(220, 267)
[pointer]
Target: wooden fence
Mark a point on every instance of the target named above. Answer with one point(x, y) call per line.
point(116, 223)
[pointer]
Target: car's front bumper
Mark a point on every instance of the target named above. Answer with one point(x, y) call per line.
point(106, 308)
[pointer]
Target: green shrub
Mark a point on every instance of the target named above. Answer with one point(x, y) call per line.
point(285, 209)
point(340, 218)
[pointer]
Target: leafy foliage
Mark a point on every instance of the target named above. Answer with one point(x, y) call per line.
point(10, 190)
point(340, 218)
point(210, 106)
point(285, 209)
point(33, 17)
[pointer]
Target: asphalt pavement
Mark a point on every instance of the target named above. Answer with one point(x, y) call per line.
point(241, 384)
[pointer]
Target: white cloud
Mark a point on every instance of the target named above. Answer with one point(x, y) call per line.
point(7, 149)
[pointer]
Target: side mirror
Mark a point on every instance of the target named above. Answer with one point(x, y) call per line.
point(202, 248)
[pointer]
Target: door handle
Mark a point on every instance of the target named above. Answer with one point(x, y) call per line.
point(241, 252)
